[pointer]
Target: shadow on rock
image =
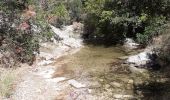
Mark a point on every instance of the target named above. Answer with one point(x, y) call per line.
point(153, 90)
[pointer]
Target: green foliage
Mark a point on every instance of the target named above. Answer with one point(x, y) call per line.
point(94, 6)
point(61, 11)
point(76, 9)
point(106, 16)
point(62, 14)
point(154, 28)
point(163, 50)
point(17, 35)
point(131, 18)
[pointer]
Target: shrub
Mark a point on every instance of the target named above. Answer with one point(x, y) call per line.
point(61, 13)
point(18, 33)
point(76, 10)
point(154, 28)
point(6, 80)
point(164, 49)
point(126, 18)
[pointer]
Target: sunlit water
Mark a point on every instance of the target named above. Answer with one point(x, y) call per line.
point(95, 64)
point(93, 59)
point(99, 68)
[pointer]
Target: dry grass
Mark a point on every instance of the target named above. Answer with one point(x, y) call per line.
point(7, 79)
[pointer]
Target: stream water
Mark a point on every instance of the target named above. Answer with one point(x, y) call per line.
point(102, 74)
point(69, 70)
point(94, 59)
point(93, 66)
point(101, 71)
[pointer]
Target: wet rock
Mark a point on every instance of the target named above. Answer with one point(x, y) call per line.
point(140, 59)
point(76, 84)
point(145, 59)
point(136, 70)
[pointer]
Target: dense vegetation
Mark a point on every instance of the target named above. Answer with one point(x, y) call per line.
point(21, 29)
point(116, 19)
point(25, 22)
point(16, 32)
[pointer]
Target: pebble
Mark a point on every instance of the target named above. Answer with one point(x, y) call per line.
point(116, 84)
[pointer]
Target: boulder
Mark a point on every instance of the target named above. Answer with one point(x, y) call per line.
point(140, 59)
point(147, 59)
point(136, 70)
point(130, 44)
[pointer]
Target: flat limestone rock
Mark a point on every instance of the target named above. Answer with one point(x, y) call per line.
point(139, 59)
point(76, 84)
point(136, 70)
point(56, 80)
point(121, 96)
point(123, 57)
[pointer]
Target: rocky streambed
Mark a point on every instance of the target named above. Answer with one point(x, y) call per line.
point(102, 76)
point(69, 70)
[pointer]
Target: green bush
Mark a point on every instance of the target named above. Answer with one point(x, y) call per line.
point(17, 34)
point(154, 28)
point(76, 10)
point(164, 49)
point(61, 13)
point(138, 19)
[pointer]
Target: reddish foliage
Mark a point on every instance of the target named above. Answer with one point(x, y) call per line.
point(24, 26)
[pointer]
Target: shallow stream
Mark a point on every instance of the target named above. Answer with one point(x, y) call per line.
point(101, 71)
